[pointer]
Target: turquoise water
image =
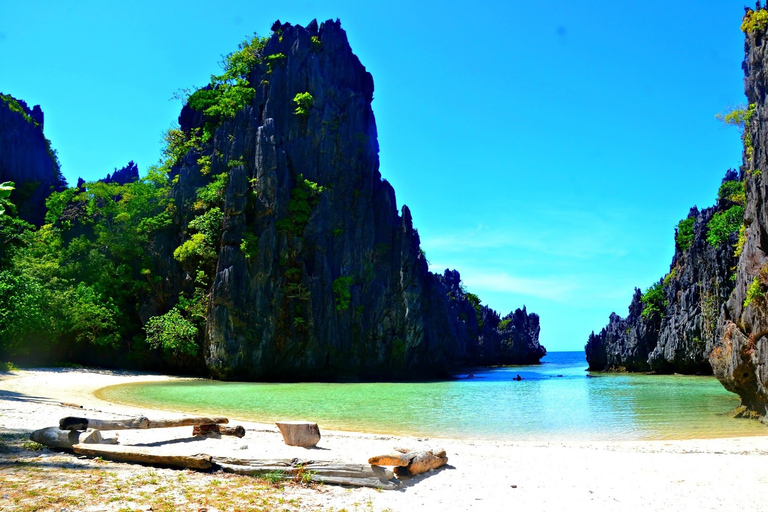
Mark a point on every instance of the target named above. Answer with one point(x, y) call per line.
point(557, 400)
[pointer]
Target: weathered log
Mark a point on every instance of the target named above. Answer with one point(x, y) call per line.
point(328, 472)
point(400, 459)
point(140, 422)
point(75, 423)
point(422, 462)
point(299, 433)
point(54, 437)
point(205, 429)
point(143, 455)
point(411, 463)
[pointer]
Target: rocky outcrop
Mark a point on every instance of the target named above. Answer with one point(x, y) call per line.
point(493, 340)
point(740, 361)
point(123, 176)
point(317, 274)
point(678, 332)
point(26, 158)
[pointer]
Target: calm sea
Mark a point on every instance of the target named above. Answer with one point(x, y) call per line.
point(557, 400)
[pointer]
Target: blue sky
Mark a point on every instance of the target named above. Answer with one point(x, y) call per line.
point(546, 149)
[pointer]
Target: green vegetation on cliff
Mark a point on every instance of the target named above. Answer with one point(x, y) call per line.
point(684, 233)
point(724, 224)
point(754, 21)
point(654, 301)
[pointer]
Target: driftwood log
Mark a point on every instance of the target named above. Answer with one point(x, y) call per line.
point(54, 437)
point(140, 422)
point(408, 463)
point(143, 455)
point(299, 433)
point(328, 472)
point(205, 429)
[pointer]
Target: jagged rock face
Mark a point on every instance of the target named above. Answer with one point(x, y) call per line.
point(27, 159)
point(491, 340)
point(624, 344)
point(345, 293)
point(701, 284)
point(740, 361)
point(695, 290)
point(123, 176)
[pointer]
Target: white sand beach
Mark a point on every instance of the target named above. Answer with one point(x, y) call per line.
point(696, 475)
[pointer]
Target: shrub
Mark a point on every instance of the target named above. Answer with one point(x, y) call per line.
point(754, 21)
point(737, 116)
point(250, 245)
point(274, 60)
point(5, 191)
point(654, 301)
point(173, 333)
point(723, 224)
point(342, 292)
point(732, 191)
point(739, 245)
point(229, 92)
point(304, 198)
point(754, 292)
point(304, 102)
point(669, 277)
point(684, 233)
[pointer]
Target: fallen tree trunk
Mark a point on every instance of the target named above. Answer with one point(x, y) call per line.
point(205, 429)
point(140, 422)
point(328, 472)
point(54, 437)
point(142, 455)
point(411, 463)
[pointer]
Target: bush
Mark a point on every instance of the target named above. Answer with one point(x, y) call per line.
point(304, 102)
point(754, 21)
point(5, 191)
point(732, 191)
point(229, 92)
point(341, 292)
point(737, 116)
point(654, 301)
point(684, 233)
point(723, 224)
point(173, 333)
point(304, 197)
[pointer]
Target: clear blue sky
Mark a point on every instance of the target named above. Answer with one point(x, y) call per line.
point(546, 149)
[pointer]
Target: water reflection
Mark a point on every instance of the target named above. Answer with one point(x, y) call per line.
point(557, 400)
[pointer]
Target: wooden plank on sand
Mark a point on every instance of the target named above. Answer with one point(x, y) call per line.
point(143, 455)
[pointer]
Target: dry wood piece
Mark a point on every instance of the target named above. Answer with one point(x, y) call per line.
point(140, 422)
point(390, 460)
point(205, 429)
point(143, 456)
point(299, 433)
point(411, 463)
point(53, 437)
point(328, 472)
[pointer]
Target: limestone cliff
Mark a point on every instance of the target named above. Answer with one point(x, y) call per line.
point(316, 274)
point(26, 158)
point(675, 330)
point(740, 361)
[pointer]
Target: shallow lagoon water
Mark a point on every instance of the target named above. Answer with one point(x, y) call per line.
point(557, 400)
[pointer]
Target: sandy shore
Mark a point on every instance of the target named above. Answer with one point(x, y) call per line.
point(714, 474)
